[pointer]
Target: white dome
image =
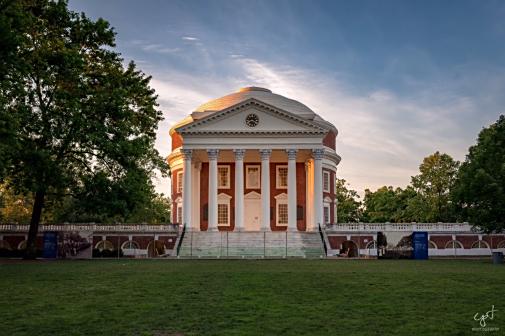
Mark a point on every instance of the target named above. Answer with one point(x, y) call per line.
point(262, 94)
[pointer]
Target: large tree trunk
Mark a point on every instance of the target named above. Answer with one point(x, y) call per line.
point(31, 247)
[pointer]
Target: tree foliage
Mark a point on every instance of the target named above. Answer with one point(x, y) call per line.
point(348, 205)
point(70, 109)
point(479, 191)
point(387, 204)
point(433, 184)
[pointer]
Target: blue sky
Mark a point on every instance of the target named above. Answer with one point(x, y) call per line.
point(399, 79)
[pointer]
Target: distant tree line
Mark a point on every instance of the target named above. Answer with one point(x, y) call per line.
point(445, 190)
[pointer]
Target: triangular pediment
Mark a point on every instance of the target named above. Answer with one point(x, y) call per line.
point(234, 120)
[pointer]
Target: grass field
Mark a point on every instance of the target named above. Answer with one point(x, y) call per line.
point(236, 297)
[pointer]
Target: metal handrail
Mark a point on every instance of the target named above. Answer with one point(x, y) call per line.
point(322, 239)
point(181, 238)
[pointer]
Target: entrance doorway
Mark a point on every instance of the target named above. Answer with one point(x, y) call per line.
point(252, 211)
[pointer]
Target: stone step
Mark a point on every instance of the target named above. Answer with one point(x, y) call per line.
point(251, 244)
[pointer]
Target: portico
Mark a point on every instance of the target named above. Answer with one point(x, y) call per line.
point(253, 166)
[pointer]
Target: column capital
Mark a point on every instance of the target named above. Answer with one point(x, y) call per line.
point(239, 154)
point(318, 153)
point(291, 154)
point(187, 154)
point(212, 153)
point(265, 154)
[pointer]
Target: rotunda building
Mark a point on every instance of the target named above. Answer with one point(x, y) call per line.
point(253, 160)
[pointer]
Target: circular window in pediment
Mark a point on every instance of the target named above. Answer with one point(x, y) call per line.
point(252, 120)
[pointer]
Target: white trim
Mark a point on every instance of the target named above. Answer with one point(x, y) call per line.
point(132, 242)
point(431, 242)
point(223, 199)
point(247, 183)
point(277, 178)
point(227, 186)
point(327, 206)
point(180, 183)
point(453, 243)
point(326, 173)
point(252, 195)
point(280, 199)
point(479, 242)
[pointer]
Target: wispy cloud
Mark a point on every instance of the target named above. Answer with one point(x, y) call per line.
point(159, 48)
point(190, 38)
point(382, 136)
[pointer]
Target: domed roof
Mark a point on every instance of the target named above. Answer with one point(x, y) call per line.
point(258, 93)
point(261, 94)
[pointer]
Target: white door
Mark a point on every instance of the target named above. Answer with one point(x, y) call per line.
point(252, 214)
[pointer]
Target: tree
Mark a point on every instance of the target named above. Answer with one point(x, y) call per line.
point(74, 111)
point(479, 191)
point(387, 204)
point(348, 206)
point(433, 184)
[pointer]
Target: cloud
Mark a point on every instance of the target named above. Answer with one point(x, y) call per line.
point(158, 48)
point(190, 38)
point(383, 137)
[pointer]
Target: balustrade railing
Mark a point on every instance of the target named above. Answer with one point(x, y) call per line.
point(374, 227)
point(93, 227)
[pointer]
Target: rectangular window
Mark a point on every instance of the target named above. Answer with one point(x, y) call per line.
point(179, 214)
point(252, 180)
point(326, 214)
point(282, 214)
point(223, 214)
point(282, 177)
point(223, 177)
point(180, 177)
point(326, 181)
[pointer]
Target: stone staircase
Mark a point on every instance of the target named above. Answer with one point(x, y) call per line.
point(213, 244)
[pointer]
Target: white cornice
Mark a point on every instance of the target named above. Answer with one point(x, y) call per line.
point(313, 127)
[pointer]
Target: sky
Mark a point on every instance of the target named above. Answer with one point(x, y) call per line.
point(399, 79)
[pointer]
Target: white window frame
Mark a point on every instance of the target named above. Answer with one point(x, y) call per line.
point(277, 177)
point(280, 199)
point(326, 177)
point(223, 199)
point(180, 183)
point(326, 220)
point(327, 203)
point(227, 186)
point(247, 182)
point(178, 210)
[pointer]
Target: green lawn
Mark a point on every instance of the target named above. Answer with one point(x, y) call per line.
point(245, 297)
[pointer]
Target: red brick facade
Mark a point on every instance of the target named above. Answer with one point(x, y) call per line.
point(330, 140)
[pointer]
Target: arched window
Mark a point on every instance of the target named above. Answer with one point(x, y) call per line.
point(432, 245)
point(480, 244)
point(501, 244)
point(22, 245)
point(130, 245)
point(4, 244)
point(454, 244)
point(372, 245)
point(104, 245)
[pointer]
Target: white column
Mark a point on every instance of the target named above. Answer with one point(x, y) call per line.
point(239, 189)
point(212, 154)
point(291, 189)
point(318, 187)
point(265, 189)
point(186, 188)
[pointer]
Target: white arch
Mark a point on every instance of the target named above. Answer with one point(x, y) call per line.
point(131, 245)
point(104, 245)
point(479, 243)
point(432, 245)
point(454, 244)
